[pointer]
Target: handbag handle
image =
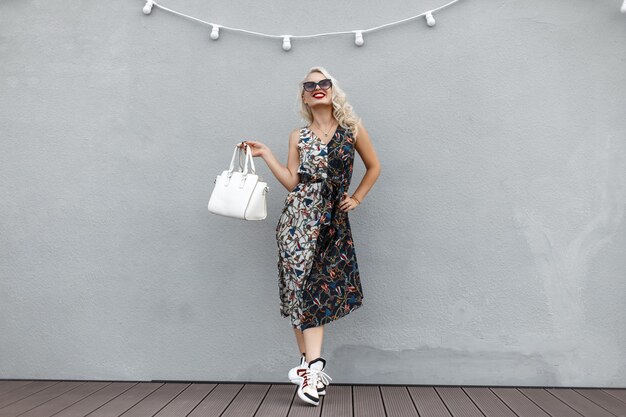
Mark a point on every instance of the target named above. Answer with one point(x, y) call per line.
point(241, 161)
point(248, 157)
point(232, 161)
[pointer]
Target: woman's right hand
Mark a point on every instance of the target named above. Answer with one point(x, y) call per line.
point(257, 148)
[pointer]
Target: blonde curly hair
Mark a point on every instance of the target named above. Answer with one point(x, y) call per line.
point(342, 110)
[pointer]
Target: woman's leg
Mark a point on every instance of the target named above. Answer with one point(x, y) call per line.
point(313, 339)
point(300, 340)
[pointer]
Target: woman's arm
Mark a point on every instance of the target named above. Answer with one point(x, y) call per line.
point(366, 150)
point(286, 175)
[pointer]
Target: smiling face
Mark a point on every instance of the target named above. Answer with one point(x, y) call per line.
point(318, 96)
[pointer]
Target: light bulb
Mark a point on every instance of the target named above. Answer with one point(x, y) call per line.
point(148, 7)
point(430, 20)
point(215, 32)
point(623, 9)
point(286, 43)
point(358, 38)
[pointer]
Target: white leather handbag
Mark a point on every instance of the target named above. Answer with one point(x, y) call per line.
point(240, 194)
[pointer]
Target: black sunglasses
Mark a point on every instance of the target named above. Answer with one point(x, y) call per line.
point(324, 84)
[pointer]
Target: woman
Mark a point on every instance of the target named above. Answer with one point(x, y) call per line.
point(319, 278)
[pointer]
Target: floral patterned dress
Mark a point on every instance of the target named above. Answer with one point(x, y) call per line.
point(318, 275)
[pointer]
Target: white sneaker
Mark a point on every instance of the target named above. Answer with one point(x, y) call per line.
point(321, 383)
point(311, 379)
point(295, 376)
point(295, 373)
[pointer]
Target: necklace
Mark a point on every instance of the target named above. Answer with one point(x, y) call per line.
point(325, 133)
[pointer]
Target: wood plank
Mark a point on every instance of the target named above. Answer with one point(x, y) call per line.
point(549, 403)
point(6, 386)
point(427, 402)
point(368, 401)
point(65, 400)
point(38, 398)
point(157, 399)
point(247, 401)
point(488, 402)
point(126, 400)
point(278, 401)
point(519, 403)
point(618, 393)
point(214, 404)
point(32, 398)
point(186, 401)
point(578, 402)
point(96, 400)
point(337, 401)
point(604, 400)
point(398, 402)
point(458, 402)
point(24, 391)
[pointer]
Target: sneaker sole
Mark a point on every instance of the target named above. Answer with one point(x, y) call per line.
point(304, 397)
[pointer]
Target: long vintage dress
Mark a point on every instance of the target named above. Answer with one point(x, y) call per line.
point(318, 274)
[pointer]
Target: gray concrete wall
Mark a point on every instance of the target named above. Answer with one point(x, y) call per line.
point(491, 247)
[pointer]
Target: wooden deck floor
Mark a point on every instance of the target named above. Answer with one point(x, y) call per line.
point(43, 398)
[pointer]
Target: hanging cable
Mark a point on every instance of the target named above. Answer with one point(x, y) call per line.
point(286, 39)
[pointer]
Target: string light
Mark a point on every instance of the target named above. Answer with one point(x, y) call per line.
point(358, 34)
point(358, 38)
point(147, 9)
point(430, 20)
point(286, 43)
point(215, 32)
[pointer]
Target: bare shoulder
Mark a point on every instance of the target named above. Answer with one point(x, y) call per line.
point(365, 148)
point(295, 133)
point(361, 132)
point(294, 138)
